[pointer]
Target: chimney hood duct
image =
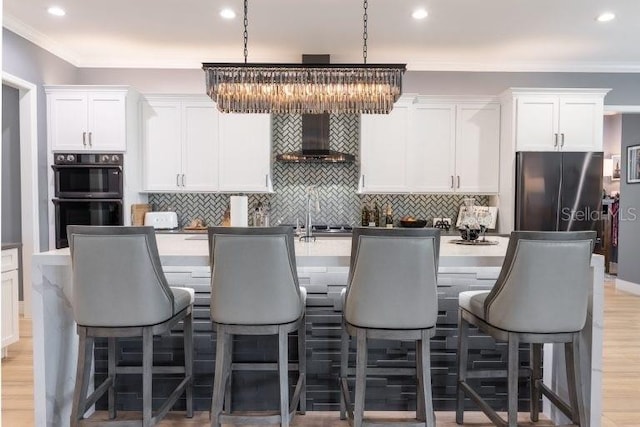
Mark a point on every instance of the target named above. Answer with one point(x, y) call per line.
point(315, 134)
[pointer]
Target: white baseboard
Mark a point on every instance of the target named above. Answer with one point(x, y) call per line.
point(632, 288)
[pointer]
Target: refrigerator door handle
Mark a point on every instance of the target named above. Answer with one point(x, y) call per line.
point(559, 212)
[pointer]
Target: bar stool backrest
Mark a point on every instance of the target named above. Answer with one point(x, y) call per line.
point(544, 283)
point(117, 277)
point(253, 276)
point(393, 279)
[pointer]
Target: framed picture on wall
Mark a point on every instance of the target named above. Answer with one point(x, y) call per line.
point(615, 167)
point(633, 164)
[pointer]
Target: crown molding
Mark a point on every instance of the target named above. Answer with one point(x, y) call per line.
point(36, 37)
point(526, 67)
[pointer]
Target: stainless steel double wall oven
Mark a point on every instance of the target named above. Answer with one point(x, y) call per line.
point(88, 191)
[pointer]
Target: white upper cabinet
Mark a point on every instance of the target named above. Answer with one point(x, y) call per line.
point(559, 120)
point(245, 152)
point(189, 146)
point(477, 148)
point(433, 145)
point(384, 139)
point(162, 145)
point(87, 118)
point(431, 159)
point(180, 144)
point(200, 146)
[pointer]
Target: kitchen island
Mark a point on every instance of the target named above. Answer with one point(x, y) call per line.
point(322, 268)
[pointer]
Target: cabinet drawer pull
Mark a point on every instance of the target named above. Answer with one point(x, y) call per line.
point(84, 139)
point(90, 143)
point(562, 140)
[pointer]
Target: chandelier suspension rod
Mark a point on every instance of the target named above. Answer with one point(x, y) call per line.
point(246, 31)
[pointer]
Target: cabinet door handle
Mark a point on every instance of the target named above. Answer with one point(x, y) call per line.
point(452, 181)
point(266, 181)
point(177, 180)
point(84, 139)
point(458, 181)
point(363, 181)
point(562, 140)
point(90, 143)
point(183, 180)
point(555, 139)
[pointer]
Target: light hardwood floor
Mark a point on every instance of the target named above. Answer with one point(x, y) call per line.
point(621, 385)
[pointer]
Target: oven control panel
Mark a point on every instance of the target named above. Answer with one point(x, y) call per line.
point(87, 159)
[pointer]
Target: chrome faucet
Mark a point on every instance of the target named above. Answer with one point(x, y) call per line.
point(312, 193)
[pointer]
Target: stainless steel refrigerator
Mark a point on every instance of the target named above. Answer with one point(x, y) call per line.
point(558, 191)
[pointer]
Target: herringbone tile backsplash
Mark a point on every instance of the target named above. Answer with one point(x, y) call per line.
point(337, 185)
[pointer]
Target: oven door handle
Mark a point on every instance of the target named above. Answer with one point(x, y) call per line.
point(117, 201)
point(96, 166)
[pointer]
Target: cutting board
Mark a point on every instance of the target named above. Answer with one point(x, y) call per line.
point(137, 213)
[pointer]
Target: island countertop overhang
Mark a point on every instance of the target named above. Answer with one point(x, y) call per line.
point(187, 250)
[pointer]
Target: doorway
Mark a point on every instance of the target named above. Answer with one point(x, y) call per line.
point(28, 135)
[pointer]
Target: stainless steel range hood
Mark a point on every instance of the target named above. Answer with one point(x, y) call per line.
point(315, 134)
point(315, 143)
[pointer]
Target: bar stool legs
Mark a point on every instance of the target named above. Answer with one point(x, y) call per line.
point(224, 367)
point(536, 375)
point(574, 410)
point(82, 401)
point(424, 405)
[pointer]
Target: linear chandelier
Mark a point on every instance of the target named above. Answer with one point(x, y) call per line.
point(304, 88)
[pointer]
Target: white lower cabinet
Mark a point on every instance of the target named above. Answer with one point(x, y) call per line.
point(9, 298)
point(432, 146)
point(189, 146)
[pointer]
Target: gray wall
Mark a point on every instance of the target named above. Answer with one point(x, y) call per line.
point(629, 232)
point(29, 62)
point(625, 86)
point(11, 213)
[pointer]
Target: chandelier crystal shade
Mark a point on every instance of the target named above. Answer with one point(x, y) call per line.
point(304, 88)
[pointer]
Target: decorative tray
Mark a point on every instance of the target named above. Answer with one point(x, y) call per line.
point(478, 242)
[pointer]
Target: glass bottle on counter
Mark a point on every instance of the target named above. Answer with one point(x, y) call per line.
point(365, 216)
point(388, 218)
point(372, 215)
point(376, 214)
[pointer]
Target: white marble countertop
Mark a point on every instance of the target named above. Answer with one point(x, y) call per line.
point(192, 250)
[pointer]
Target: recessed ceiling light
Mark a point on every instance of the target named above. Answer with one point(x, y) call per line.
point(419, 14)
point(56, 11)
point(227, 13)
point(606, 17)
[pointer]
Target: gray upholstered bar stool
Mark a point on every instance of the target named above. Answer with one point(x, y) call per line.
point(540, 296)
point(255, 291)
point(119, 290)
point(391, 294)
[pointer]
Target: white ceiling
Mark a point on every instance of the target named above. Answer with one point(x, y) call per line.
point(495, 35)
